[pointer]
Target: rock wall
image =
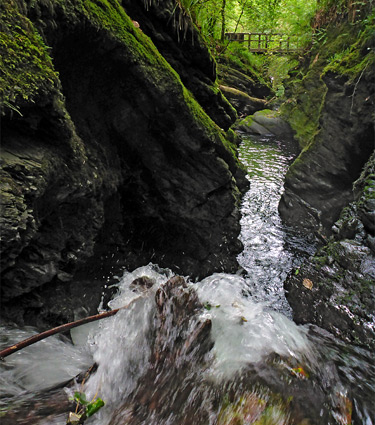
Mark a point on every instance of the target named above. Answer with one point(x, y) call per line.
point(329, 189)
point(335, 289)
point(319, 183)
point(174, 34)
point(331, 109)
point(107, 154)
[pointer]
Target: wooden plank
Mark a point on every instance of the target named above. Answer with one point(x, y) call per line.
point(262, 42)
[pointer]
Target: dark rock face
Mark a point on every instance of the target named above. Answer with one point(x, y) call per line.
point(335, 289)
point(243, 90)
point(319, 183)
point(173, 33)
point(128, 165)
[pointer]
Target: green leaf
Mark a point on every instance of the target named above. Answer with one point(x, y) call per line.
point(208, 306)
point(80, 398)
point(94, 407)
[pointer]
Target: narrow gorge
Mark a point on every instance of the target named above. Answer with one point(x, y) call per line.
point(225, 198)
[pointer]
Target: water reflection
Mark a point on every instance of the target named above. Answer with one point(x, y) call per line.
point(270, 249)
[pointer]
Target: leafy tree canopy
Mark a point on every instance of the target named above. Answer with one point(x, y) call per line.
point(216, 17)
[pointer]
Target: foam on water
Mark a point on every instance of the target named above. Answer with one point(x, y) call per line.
point(121, 344)
point(40, 366)
point(245, 331)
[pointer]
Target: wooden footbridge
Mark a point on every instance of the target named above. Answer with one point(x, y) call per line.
point(261, 42)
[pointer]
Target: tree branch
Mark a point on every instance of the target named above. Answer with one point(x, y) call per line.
point(35, 338)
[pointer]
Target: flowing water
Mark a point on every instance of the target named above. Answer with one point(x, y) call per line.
point(257, 368)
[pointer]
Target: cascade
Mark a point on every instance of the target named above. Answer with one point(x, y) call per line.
point(220, 351)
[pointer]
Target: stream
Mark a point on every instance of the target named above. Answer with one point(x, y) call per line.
point(261, 368)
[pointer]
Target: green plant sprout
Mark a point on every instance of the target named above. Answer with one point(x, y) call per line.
point(84, 408)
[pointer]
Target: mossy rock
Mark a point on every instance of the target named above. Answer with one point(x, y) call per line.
point(26, 69)
point(266, 123)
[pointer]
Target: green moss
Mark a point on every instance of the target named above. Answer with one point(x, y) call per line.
point(214, 133)
point(348, 58)
point(336, 52)
point(237, 56)
point(263, 406)
point(247, 121)
point(110, 15)
point(268, 113)
point(26, 69)
point(303, 109)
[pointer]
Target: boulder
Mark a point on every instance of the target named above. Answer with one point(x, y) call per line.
point(266, 123)
point(107, 159)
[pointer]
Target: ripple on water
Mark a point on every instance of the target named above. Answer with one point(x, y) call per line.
point(267, 258)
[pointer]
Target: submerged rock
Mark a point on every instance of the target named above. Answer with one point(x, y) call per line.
point(111, 157)
point(182, 340)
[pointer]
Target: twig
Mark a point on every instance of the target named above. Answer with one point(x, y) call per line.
point(355, 88)
point(35, 338)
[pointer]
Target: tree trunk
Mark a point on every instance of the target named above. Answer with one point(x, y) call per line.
point(223, 20)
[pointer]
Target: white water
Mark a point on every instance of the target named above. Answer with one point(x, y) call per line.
point(39, 366)
point(245, 331)
point(249, 313)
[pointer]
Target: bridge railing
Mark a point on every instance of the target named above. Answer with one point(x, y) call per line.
point(261, 42)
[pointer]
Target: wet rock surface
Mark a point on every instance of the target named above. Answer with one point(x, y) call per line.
point(241, 80)
point(181, 343)
point(177, 383)
point(266, 123)
point(242, 88)
point(335, 289)
point(319, 183)
point(117, 161)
